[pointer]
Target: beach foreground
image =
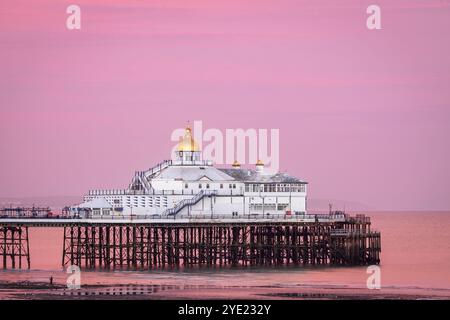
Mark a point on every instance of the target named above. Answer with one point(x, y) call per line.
point(26, 290)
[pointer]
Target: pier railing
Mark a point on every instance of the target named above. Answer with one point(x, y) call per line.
point(213, 216)
point(25, 212)
point(127, 192)
point(346, 232)
point(45, 213)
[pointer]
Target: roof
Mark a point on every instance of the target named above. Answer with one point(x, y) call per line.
point(193, 173)
point(248, 175)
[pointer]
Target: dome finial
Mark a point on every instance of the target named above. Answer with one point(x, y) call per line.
point(187, 143)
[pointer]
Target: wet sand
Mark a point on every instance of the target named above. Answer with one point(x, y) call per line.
point(44, 291)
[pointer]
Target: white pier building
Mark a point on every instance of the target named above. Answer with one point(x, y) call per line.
point(189, 186)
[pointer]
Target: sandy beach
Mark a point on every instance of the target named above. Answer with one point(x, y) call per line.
point(25, 290)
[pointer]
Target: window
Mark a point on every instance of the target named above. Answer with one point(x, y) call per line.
point(200, 186)
point(221, 186)
point(207, 186)
point(186, 186)
point(234, 186)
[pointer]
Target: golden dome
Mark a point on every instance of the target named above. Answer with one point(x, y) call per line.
point(259, 163)
point(187, 143)
point(236, 164)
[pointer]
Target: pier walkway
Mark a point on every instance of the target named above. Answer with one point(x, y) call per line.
point(149, 220)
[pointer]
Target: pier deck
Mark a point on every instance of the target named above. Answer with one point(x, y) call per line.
point(154, 221)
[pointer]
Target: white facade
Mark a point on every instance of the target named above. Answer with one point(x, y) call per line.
point(190, 186)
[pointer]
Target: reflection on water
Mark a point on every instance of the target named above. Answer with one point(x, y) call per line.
point(415, 257)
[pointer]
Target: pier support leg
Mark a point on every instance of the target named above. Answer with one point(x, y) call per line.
point(174, 245)
point(14, 246)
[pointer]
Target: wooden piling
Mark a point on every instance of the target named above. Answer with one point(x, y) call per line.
point(14, 246)
point(188, 244)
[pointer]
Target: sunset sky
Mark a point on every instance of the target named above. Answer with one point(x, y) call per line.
point(363, 114)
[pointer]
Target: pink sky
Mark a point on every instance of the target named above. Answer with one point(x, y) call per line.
point(363, 115)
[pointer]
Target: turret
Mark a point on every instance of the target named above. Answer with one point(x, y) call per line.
point(188, 150)
point(236, 165)
point(260, 167)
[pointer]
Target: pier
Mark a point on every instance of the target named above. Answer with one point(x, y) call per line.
point(187, 241)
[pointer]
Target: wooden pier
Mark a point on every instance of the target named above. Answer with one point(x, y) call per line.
point(220, 244)
point(172, 243)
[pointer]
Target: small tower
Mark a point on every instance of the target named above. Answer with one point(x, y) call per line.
point(188, 151)
point(236, 165)
point(259, 167)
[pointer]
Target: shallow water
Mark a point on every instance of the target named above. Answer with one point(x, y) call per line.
point(415, 257)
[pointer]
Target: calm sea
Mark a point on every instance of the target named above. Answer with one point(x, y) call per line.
point(415, 257)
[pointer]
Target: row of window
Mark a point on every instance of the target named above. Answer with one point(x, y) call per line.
point(253, 207)
point(200, 186)
point(275, 188)
point(146, 202)
point(97, 212)
point(274, 207)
